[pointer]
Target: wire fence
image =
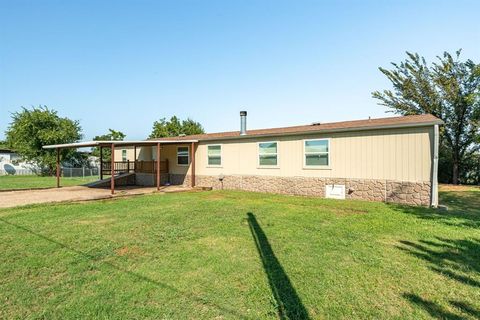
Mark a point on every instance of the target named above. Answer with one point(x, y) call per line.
point(65, 172)
point(80, 172)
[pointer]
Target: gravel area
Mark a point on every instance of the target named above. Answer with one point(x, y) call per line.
point(10, 199)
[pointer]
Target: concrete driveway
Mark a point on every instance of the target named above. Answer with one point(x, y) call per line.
point(10, 199)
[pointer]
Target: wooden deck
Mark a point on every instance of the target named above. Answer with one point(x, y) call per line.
point(133, 166)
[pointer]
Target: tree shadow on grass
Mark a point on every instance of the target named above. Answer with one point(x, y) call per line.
point(457, 259)
point(463, 209)
point(135, 275)
point(438, 312)
point(289, 304)
point(466, 308)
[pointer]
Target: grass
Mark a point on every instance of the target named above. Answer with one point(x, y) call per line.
point(239, 255)
point(33, 181)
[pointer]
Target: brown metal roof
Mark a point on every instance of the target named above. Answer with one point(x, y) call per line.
point(369, 124)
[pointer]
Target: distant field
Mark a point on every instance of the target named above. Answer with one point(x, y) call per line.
point(459, 188)
point(32, 181)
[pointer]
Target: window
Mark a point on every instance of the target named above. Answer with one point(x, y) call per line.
point(267, 154)
point(317, 153)
point(124, 154)
point(183, 156)
point(214, 153)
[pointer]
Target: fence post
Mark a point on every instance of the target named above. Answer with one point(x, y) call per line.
point(83, 172)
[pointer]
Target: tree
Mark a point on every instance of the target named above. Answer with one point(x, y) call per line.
point(3, 144)
point(175, 127)
point(448, 89)
point(112, 135)
point(33, 128)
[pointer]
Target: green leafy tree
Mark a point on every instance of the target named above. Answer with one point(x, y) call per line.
point(112, 135)
point(175, 127)
point(33, 128)
point(448, 89)
point(3, 144)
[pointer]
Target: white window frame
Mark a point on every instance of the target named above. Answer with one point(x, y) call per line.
point(304, 154)
point(260, 166)
point(124, 158)
point(188, 162)
point(221, 156)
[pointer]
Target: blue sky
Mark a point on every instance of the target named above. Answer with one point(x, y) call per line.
point(124, 64)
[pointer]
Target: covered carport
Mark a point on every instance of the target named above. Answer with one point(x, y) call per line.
point(115, 165)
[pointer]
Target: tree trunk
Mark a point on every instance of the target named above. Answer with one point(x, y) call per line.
point(455, 172)
point(478, 173)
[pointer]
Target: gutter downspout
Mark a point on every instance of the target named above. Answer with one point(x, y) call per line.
point(434, 196)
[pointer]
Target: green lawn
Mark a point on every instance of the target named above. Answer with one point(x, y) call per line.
point(239, 255)
point(32, 181)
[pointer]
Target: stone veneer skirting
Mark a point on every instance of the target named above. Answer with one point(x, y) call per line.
point(412, 193)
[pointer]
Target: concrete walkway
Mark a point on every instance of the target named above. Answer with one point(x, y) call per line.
point(10, 199)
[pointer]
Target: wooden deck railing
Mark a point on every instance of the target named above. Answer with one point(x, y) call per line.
point(151, 166)
point(134, 166)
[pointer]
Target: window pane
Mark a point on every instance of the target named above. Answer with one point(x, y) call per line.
point(182, 159)
point(182, 151)
point(316, 146)
point(214, 160)
point(214, 150)
point(267, 147)
point(316, 159)
point(268, 160)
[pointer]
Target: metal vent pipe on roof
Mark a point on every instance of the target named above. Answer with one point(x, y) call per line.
point(243, 123)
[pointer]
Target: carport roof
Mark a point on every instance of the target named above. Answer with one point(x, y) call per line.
point(104, 143)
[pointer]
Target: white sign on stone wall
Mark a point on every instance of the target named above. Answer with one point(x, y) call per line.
point(335, 191)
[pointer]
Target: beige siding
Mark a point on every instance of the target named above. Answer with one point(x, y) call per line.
point(150, 153)
point(170, 152)
point(393, 154)
point(143, 153)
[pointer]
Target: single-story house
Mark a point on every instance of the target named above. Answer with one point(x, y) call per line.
point(387, 159)
point(8, 155)
point(12, 163)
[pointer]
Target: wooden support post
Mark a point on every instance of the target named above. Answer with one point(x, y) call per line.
point(58, 168)
point(112, 167)
point(192, 157)
point(158, 166)
point(101, 163)
point(134, 158)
